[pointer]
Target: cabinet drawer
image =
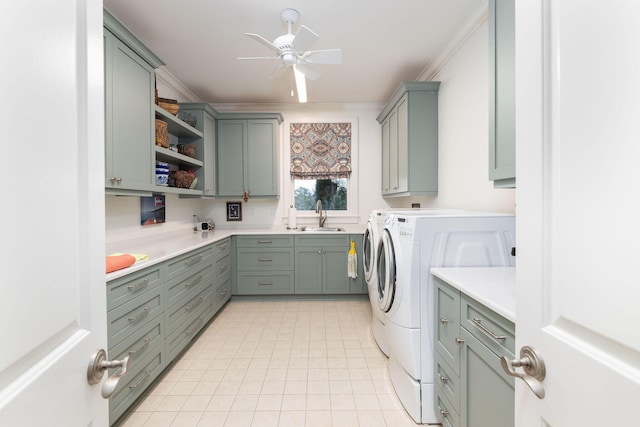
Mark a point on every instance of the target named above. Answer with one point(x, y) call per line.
point(264, 241)
point(129, 317)
point(255, 283)
point(491, 329)
point(187, 329)
point(447, 382)
point(222, 292)
point(135, 382)
point(264, 260)
point(130, 286)
point(181, 312)
point(447, 324)
point(195, 259)
point(341, 240)
point(448, 416)
point(221, 247)
point(141, 342)
point(189, 283)
point(222, 266)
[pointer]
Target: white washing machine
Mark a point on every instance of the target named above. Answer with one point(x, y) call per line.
point(409, 247)
point(371, 239)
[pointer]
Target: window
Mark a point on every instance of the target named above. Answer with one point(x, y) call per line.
point(332, 193)
point(320, 165)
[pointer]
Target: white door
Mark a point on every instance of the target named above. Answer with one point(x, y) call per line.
point(578, 209)
point(52, 288)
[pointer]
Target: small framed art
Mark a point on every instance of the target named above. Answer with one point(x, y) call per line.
point(234, 211)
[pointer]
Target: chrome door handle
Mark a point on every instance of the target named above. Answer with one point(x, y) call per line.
point(534, 369)
point(98, 364)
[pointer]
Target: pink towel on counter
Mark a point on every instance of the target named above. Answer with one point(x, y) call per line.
point(118, 262)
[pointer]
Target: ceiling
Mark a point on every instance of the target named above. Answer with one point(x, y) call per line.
point(382, 44)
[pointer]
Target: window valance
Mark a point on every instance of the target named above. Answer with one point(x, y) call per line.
point(320, 150)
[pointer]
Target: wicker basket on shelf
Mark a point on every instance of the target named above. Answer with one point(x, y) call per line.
point(162, 134)
point(171, 105)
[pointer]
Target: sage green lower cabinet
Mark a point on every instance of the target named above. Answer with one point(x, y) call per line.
point(471, 387)
point(154, 313)
point(321, 264)
point(264, 264)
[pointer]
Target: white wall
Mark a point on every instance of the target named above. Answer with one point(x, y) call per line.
point(463, 111)
point(463, 154)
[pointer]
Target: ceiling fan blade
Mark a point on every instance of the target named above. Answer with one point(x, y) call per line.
point(263, 41)
point(278, 71)
point(301, 84)
point(327, 56)
point(303, 39)
point(312, 72)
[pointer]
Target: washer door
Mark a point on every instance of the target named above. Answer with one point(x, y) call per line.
point(386, 268)
point(369, 256)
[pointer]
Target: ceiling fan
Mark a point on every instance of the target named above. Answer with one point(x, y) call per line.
point(292, 50)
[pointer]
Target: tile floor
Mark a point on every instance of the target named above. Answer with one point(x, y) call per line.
point(278, 363)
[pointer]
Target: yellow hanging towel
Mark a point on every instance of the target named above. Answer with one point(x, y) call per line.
point(352, 262)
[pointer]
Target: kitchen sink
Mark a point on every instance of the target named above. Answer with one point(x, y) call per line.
point(333, 229)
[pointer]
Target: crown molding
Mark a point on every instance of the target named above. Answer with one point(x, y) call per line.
point(475, 20)
point(169, 80)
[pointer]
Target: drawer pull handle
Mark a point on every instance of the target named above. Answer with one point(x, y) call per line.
point(443, 379)
point(265, 259)
point(140, 315)
point(223, 267)
point(195, 326)
point(142, 284)
point(265, 241)
point(196, 303)
point(147, 372)
point(443, 320)
point(265, 283)
point(483, 328)
point(224, 292)
point(222, 248)
point(444, 413)
point(193, 261)
point(146, 343)
point(196, 280)
point(459, 340)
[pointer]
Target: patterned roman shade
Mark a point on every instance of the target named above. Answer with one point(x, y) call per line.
point(320, 150)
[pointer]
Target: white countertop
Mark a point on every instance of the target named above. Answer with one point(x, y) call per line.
point(492, 286)
point(163, 246)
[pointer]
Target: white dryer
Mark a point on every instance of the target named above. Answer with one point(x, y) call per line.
point(409, 247)
point(371, 240)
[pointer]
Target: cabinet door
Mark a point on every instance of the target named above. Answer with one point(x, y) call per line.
point(403, 145)
point(502, 131)
point(488, 393)
point(386, 185)
point(208, 171)
point(334, 270)
point(393, 151)
point(129, 123)
point(232, 135)
point(308, 272)
point(262, 158)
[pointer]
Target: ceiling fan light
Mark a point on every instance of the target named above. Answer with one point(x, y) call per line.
point(301, 85)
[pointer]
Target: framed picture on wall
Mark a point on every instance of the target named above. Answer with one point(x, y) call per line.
point(234, 211)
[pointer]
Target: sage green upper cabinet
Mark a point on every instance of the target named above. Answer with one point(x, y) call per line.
point(129, 112)
point(502, 96)
point(248, 155)
point(410, 140)
point(205, 122)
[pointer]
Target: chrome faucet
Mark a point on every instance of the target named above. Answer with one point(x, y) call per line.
point(323, 217)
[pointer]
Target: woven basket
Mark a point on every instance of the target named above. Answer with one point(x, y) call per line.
point(181, 179)
point(162, 134)
point(171, 105)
